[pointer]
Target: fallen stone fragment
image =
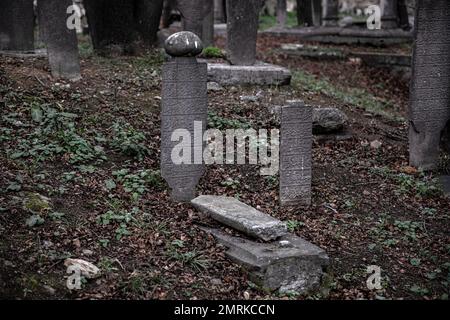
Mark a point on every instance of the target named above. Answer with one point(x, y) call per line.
point(214, 86)
point(241, 217)
point(375, 144)
point(298, 267)
point(87, 269)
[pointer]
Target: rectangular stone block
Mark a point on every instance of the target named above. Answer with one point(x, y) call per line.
point(241, 217)
point(295, 154)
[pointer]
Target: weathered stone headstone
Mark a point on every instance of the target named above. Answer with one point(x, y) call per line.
point(184, 106)
point(192, 15)
point(330, 13)
point(295, 153)
point(242, 30)
point(389, 18)
point(208, 24)
point(61, 42)
point(403, 15)
point(281, 13)
point(17, 25)
point(429, 112)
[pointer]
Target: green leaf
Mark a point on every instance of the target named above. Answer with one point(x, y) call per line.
point(34, 220)
point(415, 262)
point(36, 114)
point(110, 184)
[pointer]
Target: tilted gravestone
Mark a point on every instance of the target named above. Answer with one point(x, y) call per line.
point(184, 106)
point(192, 15)
point(61, 42)
point(16, 25)
point(295, 154)
point(242, 30)
point(330, 13)
point(389, 18)
point(429, 112)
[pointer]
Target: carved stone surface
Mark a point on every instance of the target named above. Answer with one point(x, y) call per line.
point(184, 106)
point(389, 18)
point(61, 42)
point(242, 30)
point(208, 23)
point(330, 13)
point(16, 25)
point(295, 154)
point(192, 15)
point(429, 112)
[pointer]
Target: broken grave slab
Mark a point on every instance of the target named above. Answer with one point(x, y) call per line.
point(258, 74)
point(241, 217)
point(291, 264)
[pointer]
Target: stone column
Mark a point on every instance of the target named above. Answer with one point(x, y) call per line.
point(242, 30)
point(208, 24)
point(429, 111)
point(184, 108)
point(389, 16)
point(220, 11)
point(305, 13)
point(61, 42)
point(281, 13)
point(17, 25)
point(192, 15)
point(330, 13)
point(295, 154)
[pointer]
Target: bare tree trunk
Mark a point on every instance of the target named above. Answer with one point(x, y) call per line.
point(17, 25)
point(147, 16)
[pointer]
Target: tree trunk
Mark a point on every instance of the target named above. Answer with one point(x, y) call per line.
point(147, 16)
point(208, 23)
point(17, 25)
point(111, 25)
point(304, 13)
point(192, 15)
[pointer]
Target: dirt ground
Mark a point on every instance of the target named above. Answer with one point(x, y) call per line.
point(92, 148)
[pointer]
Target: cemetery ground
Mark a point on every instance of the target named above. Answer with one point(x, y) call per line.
point(79, 170)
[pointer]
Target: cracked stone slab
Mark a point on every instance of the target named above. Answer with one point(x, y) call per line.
point(241, 217)
point(290, 264)
point(257, 74)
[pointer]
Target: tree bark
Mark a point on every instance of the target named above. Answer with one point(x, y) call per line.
point(147, 16)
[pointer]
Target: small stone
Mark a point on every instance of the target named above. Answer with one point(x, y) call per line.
point(216, 282)
point(246, 295)
point(87, 252)
point(285, 243)
point(249, 98)
point(50, 290)
point(214, 86)
point(328, 120)
point(376, 144)
point(87, 269)
point(183, 44)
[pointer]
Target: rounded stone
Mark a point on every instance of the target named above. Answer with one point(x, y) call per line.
point(183, 44)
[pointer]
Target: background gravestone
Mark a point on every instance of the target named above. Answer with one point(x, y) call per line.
point(429, 112)
point(61, 42)
point(192, 14)
point(16, 25)
point(305, 13)
point(389, 18)
point(242, 30)
point(295, 154)
point(184, 100)
point(281, 13)
point(330, 13)
point(317, 12)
